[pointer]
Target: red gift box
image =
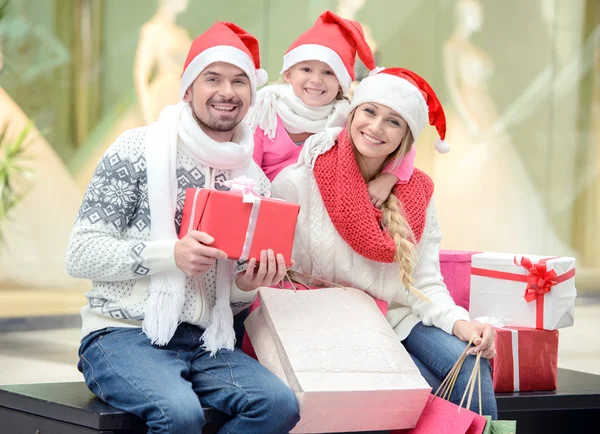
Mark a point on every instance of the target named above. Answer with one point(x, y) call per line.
point(242, 224)
point(455, 266)
point(526, 360)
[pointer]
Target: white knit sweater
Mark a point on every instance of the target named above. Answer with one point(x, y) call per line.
point(321, 252)
point(110, 243)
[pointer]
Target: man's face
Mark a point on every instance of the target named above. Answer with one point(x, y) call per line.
point(220, 98)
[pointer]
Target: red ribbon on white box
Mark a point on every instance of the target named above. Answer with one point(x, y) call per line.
point(539, 282)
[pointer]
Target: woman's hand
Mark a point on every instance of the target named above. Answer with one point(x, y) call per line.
point(483, 333)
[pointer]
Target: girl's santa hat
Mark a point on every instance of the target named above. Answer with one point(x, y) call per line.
point(335, 41)
point(409, 95)
point(224, 42)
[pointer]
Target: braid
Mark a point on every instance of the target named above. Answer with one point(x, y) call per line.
point(399, 229)
point(393, 214)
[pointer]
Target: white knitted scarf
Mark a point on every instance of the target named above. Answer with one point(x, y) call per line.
point(297, 117)
point(167, 289)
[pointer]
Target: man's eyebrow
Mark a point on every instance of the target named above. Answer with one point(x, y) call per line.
point(216, 74)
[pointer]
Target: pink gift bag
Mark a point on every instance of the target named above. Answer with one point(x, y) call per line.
point(441, 416)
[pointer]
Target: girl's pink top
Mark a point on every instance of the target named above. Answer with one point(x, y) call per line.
point(275, 155)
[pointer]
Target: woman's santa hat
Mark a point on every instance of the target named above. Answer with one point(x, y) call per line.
point(335, 41)
point(224, 42)
point(409, 95)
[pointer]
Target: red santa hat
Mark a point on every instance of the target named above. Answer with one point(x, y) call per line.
point(335, 41)
point(409, 95)
point(224, 42)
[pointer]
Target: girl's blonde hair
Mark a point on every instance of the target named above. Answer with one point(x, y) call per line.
point(393, 213)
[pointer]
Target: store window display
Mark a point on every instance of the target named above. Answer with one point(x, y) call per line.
point(349, 9)
point(36, 231)
point(492, 204)
point(160, 52)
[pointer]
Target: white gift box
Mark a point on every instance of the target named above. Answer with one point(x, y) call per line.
point(340, 356)
point(523, 291)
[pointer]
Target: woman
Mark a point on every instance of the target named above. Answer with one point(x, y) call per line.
point(392, 254)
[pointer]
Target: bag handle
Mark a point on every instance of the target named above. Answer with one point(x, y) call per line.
point(447, 386)
point(475, 377)
point(292, 277)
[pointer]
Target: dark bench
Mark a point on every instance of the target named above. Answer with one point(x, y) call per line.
point(69, 408)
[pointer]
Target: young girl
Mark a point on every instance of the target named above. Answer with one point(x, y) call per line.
point(392, 254)
point(318, 69)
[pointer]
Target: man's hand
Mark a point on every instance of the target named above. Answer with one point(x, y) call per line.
point(484, 342)
point(271, 270)
point(193, 255)
point(380, 188)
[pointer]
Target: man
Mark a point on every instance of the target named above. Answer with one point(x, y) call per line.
point(158, 337)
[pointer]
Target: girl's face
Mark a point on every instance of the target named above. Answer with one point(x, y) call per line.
point(376, 132)
point(313, 82)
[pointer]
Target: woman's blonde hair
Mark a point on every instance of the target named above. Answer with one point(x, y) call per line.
point(393, 213)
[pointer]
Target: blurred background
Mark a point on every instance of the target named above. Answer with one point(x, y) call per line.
point(519, 80)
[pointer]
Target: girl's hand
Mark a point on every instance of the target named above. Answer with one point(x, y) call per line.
point(380, 188)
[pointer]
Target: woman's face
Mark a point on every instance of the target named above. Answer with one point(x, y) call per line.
point(376, 132)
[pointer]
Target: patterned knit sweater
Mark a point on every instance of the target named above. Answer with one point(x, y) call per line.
point(320, 251)
point(110, 243)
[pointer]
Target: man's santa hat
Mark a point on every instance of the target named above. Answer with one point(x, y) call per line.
point(224, 42)
point(409, 95)
point(335, 41)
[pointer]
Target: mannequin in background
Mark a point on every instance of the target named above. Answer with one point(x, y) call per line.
point(162, 49)
point(492, 204)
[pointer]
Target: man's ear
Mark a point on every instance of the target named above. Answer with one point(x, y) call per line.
point(187, 97)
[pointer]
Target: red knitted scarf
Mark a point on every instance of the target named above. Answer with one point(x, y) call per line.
point(344, 193)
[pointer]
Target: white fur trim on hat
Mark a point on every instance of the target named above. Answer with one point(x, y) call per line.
point(323, 54)
point(227, 54)
point(396, 93)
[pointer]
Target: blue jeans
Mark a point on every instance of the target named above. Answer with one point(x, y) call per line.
point(167, 386)
point(435, 352)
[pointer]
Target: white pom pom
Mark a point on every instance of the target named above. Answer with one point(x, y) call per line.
point(261, 77)
point(376, 70)
point(442, 146)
